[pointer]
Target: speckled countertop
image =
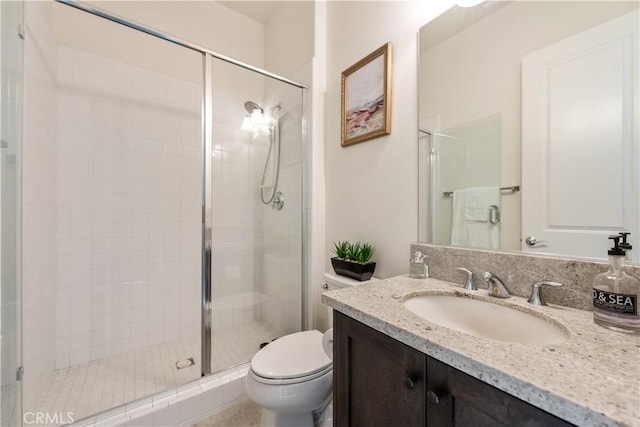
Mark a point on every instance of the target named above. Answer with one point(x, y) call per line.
point(592, 379)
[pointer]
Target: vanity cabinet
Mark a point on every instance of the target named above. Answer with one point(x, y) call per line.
point(379, 381)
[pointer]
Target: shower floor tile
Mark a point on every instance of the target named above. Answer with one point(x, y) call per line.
point(238, 344)
point(106, 383)
point(113, 381)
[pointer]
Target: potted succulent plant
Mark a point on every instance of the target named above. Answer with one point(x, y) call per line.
point(353, 260)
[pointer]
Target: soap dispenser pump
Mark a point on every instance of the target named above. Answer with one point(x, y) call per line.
point(626, 246)
point(418, 268)
point(615, 295)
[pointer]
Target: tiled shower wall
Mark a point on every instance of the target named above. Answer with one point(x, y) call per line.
point(128, 196)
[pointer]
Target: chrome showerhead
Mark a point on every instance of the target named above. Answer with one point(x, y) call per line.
point(250, 106)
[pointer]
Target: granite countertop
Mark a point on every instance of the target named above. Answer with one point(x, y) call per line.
point(592, 379)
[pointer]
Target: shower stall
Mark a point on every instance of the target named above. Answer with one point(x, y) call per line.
point(162, 231)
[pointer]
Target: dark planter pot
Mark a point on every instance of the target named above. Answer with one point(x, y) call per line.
point(353, 270)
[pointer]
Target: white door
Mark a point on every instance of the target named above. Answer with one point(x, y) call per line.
point(580, 150)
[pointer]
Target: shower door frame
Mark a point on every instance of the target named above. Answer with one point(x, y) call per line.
point(207, 144)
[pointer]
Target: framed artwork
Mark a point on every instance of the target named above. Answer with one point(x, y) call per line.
point(366, 98)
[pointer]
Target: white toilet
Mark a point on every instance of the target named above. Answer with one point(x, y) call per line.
point(292, 377)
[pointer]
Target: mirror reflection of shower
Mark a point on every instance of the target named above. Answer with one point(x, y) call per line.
point(260, 123)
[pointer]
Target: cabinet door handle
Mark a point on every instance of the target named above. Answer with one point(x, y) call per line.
point(433, 398)
point(410, 382)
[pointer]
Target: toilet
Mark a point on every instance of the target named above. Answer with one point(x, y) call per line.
point(292, 377)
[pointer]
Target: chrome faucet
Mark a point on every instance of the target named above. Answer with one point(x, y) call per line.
point(468, 284)
point(496, 286)
point(536, 292)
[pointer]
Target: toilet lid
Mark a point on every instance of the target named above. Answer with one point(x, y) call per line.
point(292, 356)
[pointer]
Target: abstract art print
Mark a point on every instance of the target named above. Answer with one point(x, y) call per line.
point(366, 97)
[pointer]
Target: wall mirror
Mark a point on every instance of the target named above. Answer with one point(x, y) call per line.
point(528, 127)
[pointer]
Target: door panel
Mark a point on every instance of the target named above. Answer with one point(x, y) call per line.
point(580, 93)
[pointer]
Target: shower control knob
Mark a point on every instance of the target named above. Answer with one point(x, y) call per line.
point(278, 201)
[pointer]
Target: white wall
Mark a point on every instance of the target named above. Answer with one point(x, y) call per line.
point(316, 205)
point(288, 37)
point(371, 188)
point(39, 203)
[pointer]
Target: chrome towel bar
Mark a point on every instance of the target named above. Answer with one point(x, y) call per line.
point(513, 189)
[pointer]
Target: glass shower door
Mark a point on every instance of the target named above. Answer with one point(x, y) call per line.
point(114, 125)
point(256, 212)
point(10, 146)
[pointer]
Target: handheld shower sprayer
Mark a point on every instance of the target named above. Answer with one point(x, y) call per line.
point(271, 126)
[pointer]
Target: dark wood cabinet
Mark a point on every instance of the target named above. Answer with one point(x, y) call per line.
point(379, 381)
point(457, 399)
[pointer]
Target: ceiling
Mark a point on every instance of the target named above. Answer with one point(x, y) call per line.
point(259, 10)
point(455, 20)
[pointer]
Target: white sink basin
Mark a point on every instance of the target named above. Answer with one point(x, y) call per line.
point(486, 320)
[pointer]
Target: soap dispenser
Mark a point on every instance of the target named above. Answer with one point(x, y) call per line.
point(615, 295)
point(418, 268)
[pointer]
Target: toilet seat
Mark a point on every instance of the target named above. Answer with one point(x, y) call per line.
point(291, 359)
point(286, 381)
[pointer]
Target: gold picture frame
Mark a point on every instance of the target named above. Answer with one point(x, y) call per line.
point(366, 98)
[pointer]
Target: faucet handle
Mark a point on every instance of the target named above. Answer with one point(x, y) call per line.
point(536, 293)
point(468, 284)
point(496, 286)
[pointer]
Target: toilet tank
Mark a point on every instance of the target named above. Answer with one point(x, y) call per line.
point(333, 281)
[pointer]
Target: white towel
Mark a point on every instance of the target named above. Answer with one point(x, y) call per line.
point(470, 225)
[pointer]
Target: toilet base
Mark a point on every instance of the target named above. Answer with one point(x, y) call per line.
point(280, 419)
point(324, 418)
point(321, 418)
